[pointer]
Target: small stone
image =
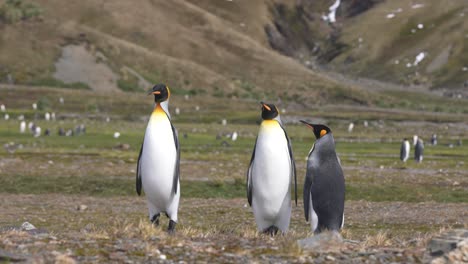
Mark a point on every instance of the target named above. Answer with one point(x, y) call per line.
point(323, 242)
point(331, 258)
point(162, 256)
point(81, 207)
point(26, 226)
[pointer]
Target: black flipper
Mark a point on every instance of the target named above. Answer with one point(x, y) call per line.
point(177, 165)
point(138, 172)
point(293, 163)
point(249, 175)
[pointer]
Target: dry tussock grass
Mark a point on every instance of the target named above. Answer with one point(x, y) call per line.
point(381, 239)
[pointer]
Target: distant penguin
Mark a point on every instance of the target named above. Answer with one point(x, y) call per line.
point(22, 127)
point(47, 116)
point(271, 172)
point(350, 127)
point(434, 139)
point(419, 150)
point(324, 187)
point(234, 136)
point(415, 140)
point(37, 131)
point(158, 162)
point(404, 150)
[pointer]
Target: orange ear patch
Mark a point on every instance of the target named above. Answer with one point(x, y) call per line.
point(323, 132)
point(168, 92)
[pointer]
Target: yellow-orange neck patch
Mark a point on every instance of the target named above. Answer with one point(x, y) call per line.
point(323, 132)
point(158, 110)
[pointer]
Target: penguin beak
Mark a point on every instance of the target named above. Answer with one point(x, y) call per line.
point(307, 124)
point(266, 106)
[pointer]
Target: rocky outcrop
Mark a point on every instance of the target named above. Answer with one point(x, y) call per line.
point(451, 247)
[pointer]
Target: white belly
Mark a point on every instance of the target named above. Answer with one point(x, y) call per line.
point(271, 175)
point(158, 162)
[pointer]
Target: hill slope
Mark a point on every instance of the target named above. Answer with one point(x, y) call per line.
point(380, 39)
point(198, 47)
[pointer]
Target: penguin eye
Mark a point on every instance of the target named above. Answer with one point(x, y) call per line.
point(323, 132)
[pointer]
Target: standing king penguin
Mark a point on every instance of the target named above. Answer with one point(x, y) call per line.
point(404, 150)
point(324, 187)
point(419, 150)
point(270, 174)
point(158, 162)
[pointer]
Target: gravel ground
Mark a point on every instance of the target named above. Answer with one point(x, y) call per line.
point(92, 229)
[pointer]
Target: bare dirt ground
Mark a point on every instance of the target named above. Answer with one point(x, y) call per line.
point(220, 230)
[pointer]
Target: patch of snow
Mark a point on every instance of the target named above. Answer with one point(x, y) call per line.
point(397, 62)
point(331, 17)
point(419, 58)
point(391, 15)
point(399, 10)
point(420, 26)
point(413, 30)
point(416, 6)
point(465, 69)
point(116, 134)
point(408, 65)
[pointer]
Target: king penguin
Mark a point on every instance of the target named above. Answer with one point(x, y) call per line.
point(418, 150)
point(324, 187)
point(158, 162)
point(404, 150)
point(270, 174)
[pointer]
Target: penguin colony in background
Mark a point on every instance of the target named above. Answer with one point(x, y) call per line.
point(270, 175)
point(404, 150)
point(418, 149)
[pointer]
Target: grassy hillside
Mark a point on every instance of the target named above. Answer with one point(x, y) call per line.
point(438, 29)
point(379, 39)
point(208, 47)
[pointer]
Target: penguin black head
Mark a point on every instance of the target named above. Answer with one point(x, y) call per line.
point(269, 111)
point(319, 130)
point(161, 92)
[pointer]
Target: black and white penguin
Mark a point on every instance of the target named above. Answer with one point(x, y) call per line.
point(404, 150)
point(158, 162)
point(324, 187)
point(419, 150)
point(434, 139)
point(271, 171)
